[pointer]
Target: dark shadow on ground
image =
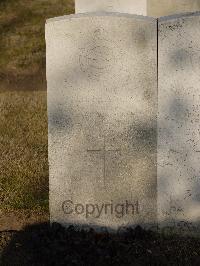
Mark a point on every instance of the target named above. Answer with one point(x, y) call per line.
point(45, 245)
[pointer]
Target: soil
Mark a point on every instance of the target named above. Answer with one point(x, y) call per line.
point(17, 220)
point(45, 245)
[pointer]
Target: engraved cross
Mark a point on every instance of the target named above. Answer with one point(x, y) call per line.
point(104, 151)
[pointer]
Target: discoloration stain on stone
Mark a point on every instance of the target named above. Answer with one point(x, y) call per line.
point(58, 120)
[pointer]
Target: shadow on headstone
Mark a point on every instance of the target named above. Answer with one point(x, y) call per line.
point(102, 115)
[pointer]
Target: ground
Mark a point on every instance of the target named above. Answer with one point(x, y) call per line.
point(45, 245)
point(22, 42)
point(23, 120)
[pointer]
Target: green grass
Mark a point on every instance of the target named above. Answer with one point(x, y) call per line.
point(23, 146)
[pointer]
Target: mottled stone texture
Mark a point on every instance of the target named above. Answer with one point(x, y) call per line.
point(179, 121)
point(102, 106)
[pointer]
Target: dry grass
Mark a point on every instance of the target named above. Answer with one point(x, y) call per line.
point(22, 42)
point(23, 146)
point(23, 115)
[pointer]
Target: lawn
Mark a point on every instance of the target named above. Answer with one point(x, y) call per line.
point(22, 42)
point(23, 112)
point(23, 146)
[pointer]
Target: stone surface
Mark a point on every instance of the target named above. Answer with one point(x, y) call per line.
point(102, 106)
point(158, 8)
point(154, 8)
point(123, 6)
point(179, 121)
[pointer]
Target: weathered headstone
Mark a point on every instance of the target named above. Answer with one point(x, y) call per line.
point(179, 121)
point(102, 106)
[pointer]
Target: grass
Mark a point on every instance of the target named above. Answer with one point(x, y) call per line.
point(23, 146)
point(23, 114)
point(22, 42)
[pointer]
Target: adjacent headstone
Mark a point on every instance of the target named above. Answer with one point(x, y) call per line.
point(138, 7)
point(179, 121)
point(102, 107)
point(153, 8)
point(159, 8)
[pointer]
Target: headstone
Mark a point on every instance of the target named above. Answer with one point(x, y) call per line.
point(153, 8)
point(138, 7)
point(102, 109)
point(179, 121)
point(158, 8)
